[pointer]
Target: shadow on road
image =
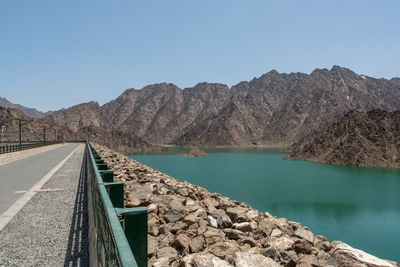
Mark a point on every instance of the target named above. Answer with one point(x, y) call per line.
point(78, 240)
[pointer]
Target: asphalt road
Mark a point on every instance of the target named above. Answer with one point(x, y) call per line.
point(19, 176)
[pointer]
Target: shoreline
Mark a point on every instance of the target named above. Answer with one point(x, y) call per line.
point(386, 167)
point(282, 149)
point(186, 222)
point(172, 148)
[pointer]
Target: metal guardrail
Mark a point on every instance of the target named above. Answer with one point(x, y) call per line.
point(117, 235)
point(11, 147)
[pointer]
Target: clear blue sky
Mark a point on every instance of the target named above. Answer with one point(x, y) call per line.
point(56, 54)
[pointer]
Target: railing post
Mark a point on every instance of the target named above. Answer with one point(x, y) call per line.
point(107, 175)
point(135, 227)
point(102, 167)
point(116, 193)
point(99, 161)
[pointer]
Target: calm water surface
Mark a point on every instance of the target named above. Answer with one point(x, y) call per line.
point(360, 206)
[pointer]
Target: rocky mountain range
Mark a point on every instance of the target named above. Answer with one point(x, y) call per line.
point(359, 139)
point(275, 109)
point(39, 129)
point(31, 112)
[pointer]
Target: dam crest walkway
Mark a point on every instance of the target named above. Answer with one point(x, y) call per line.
point(43, 209)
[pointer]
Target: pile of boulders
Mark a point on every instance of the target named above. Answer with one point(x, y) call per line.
point(196, 152)
point(189, 226)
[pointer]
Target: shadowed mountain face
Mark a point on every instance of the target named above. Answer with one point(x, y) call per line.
point(359, 138)
point(274, 109)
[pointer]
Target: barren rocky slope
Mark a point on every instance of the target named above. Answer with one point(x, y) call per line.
point(189, 226)
point(359, 138)
point(274, 109)
point(32, 130)
point(32, 112)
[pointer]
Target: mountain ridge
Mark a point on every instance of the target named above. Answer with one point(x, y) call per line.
point(273, 109)
point(32, 112)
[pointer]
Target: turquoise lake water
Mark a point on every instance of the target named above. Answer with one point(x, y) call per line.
point(357, 205)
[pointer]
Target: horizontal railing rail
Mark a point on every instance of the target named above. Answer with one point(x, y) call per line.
point(12, 147)
point(117, 235)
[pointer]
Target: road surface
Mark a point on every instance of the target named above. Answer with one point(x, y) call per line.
point(19, 176)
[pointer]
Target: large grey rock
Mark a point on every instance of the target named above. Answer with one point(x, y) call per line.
point(282, 243)
point(141, 192)
point(276, 233)
point(244, 226)
point(233, 233)
point(167, 252)
point(237, 214)
point(208, 260)
point(191, 219)
point(212, 237)
point(223, 249)
point(223, 219)
point(305, 234)
point(196, 244)
point(151, 245)
point(182, 242)
point(210, 202)
point(176, 205)
point(245, 259)
point(173, 216)
point(212, 221)
point(302, 246)
point(310, 261)
point(161, 262)
point(352, 254)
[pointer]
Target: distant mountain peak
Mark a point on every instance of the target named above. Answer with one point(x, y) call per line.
point(337, 68)
point(31, 112)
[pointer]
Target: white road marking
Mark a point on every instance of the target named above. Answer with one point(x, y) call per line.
point(7, 216)
point(20, 192)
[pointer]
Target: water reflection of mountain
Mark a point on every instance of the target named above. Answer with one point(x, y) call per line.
point(339, 212)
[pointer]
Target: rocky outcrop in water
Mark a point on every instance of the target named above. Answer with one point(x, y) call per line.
point(196, 152)
point(359, 139)
point(189, 226)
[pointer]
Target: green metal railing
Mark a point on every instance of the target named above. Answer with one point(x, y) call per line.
point(118, 235)
point(12, 147)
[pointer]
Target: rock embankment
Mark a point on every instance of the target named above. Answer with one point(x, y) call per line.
point(196, 152)
point(189, 226)
point(359, 139)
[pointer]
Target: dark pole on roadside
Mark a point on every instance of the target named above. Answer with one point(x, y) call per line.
point(20, 122)
point(20, 132)
point(1, 133)
point(44, 134)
